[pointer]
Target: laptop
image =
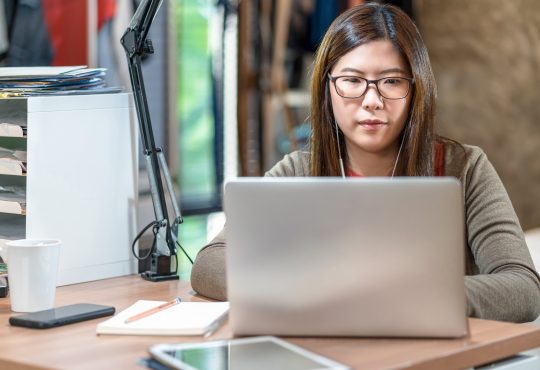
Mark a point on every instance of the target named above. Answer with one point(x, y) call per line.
point(375, 257)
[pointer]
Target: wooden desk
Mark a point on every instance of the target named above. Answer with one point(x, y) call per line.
point(77, 346)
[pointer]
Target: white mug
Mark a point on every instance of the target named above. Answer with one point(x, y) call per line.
point(32, 271)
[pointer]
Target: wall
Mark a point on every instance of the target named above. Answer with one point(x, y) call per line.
point(486, 59)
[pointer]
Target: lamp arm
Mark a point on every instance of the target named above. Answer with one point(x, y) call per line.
point(136, 45)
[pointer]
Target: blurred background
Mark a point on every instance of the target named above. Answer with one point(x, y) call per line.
point(228, 83)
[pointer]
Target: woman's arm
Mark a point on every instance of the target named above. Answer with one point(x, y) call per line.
point(208, 276)
point(505, 285)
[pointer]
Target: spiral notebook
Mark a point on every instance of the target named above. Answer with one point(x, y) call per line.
point(185, 318)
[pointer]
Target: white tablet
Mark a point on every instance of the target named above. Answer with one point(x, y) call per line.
point(259, 353)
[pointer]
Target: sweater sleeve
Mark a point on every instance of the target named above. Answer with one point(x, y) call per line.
point(505, 285)
point(208, 275)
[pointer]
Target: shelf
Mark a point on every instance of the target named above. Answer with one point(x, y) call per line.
point(12, 226)
point(74, 147)
point(10, 180)
point(13, 143)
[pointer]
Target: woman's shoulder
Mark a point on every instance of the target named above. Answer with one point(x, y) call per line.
point(460, 158)
point(292, 164)
point(457, 153)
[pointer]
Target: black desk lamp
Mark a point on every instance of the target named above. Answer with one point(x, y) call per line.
point(165, 232)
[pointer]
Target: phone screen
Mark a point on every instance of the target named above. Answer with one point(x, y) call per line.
point(265, 355)
point(62, 315)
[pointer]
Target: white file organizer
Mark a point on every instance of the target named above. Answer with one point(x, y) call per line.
point(81, 184)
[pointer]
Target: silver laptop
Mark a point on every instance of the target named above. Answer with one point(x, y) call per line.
point(355, 257)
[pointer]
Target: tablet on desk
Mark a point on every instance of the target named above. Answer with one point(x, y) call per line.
point(261, 353)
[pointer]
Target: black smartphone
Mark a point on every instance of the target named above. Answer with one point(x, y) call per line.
point(61, 315)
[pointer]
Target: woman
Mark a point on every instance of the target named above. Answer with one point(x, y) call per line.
point(372, 113)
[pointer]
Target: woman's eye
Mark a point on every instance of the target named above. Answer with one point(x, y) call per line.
point(393, 81)
point(352, 80)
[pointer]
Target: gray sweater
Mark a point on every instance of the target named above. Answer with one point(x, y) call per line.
point(501, 282)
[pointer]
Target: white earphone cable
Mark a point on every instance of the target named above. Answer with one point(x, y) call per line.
point(397, 158)
point(341, 168)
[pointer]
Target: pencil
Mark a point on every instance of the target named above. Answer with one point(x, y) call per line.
point(152, 311)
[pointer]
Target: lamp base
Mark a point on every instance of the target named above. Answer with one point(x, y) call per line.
point(155, 277)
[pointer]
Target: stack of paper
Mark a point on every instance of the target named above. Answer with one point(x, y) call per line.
point(9, 166)
point(31, 81)
point(14, 117)
point(185, 318)
point(12, 161)
point(12, 200)
point(12, 130)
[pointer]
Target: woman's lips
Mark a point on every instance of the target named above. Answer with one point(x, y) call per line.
point(371, 124)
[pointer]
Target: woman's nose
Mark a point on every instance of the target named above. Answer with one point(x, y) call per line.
point(372, 98)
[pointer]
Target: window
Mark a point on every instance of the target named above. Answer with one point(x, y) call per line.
point(206, 116)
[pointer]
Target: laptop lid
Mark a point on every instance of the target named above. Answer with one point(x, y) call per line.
point(355, 257)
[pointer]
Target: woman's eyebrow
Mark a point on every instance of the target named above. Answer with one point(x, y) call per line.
point(349, 69)
point(385, 71)
point(392, 70)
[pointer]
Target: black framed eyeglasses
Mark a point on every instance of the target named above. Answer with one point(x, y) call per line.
point(353, 87)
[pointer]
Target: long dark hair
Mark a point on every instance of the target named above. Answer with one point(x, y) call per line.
point(357, 26)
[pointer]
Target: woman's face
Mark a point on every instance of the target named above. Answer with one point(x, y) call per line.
point(371, 123)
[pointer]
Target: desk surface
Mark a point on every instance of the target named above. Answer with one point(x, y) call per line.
point(77, 346)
